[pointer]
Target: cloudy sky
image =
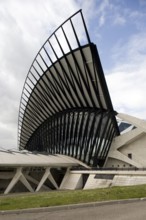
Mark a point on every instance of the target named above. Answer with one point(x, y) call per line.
point(118, 27)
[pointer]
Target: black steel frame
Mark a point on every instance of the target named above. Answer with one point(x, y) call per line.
point(65, 105)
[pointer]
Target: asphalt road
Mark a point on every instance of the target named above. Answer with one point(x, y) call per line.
point(126, 211)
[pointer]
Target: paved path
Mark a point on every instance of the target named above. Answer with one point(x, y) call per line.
point(126, 211)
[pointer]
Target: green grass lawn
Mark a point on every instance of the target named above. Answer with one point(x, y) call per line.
point(55, 198)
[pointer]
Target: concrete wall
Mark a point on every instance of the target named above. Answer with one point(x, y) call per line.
point(94, 183)
point(120, 180)
point(72, 181)
point(129, 149)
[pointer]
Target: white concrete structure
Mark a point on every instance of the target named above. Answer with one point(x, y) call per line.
point(32, 170)
point(109, 178)
point(19, 169)
point(72, 181)
point(30, 159)
point(65, 109)
point(129, 149)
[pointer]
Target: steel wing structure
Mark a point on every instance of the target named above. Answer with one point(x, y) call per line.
point(65, 106)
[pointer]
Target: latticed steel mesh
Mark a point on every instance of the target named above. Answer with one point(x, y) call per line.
point(65, 92)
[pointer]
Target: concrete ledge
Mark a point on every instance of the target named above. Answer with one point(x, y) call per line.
point(116, 172)
point(72, 206)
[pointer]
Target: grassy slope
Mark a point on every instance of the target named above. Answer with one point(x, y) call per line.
point(53, 198)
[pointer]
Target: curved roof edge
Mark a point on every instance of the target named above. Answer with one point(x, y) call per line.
point(10, 158)
point(67, 64)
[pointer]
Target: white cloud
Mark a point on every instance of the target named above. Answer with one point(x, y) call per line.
point(97, 10)
point(119, 20)
point(103, 11)
point(127, 79)
point(130, 52)
point(101, 20)
point(24, 27)
point(103, 6)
